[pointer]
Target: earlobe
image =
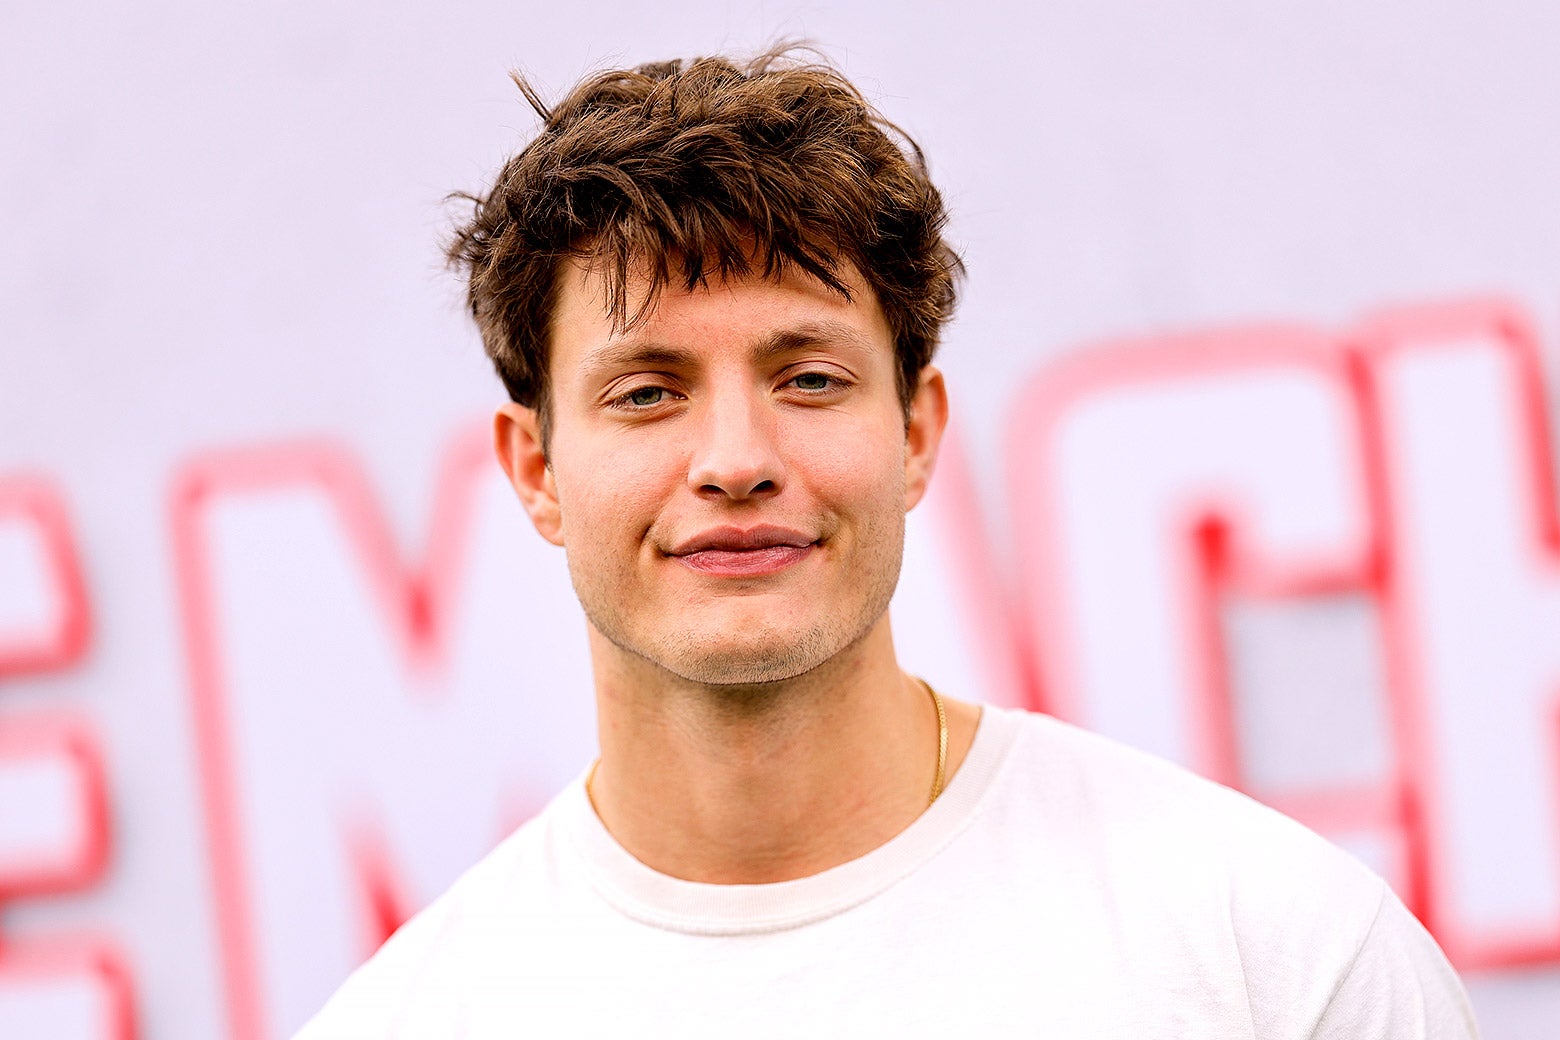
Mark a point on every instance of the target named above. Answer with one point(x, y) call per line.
point(517, 441)
point(923, 434)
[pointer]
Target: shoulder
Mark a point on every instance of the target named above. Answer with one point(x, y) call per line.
point(424, 964)
point(1399, 984)
point(1196, 833)
point(1142, 824)
point(1123, 794)
point(1309, 928)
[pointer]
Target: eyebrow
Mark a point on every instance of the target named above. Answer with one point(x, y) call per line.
point(799, 337)
point(807, 334)
point(631, 354)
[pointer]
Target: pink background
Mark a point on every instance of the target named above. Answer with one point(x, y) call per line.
point(1253, 459)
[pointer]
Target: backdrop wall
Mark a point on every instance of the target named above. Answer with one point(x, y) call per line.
point(1252, 462)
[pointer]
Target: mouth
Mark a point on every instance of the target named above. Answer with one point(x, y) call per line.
point(734, 552)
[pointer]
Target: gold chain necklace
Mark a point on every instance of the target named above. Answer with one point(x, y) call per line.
point(938, 782)
point(942, 741)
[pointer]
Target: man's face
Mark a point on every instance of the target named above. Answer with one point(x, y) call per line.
point(730, 477)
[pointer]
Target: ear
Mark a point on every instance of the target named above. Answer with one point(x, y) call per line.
point(923, 434)
point(517, 440)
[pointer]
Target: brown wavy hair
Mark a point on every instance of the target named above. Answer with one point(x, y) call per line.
point(706, 169)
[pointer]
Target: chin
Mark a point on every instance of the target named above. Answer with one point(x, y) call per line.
point(768, 658)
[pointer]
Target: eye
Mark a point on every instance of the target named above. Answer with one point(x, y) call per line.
point(813, 381)
point(644, 396)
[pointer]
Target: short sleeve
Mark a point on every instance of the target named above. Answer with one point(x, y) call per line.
point(1398, 987)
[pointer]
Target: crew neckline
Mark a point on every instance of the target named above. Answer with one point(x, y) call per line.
point(701, 908)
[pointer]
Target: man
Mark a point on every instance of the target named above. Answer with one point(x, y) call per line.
point(713, 293)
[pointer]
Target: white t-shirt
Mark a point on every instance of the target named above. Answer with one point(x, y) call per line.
point(1062, 886)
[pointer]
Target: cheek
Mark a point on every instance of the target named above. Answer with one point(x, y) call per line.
point(605, 495)
point(864, 465)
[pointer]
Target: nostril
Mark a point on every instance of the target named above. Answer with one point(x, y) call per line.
point(739, 489)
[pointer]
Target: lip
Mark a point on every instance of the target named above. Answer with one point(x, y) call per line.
point(744, 553)
point(738, 539)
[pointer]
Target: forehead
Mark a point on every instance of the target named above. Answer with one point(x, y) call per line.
point(758, 315)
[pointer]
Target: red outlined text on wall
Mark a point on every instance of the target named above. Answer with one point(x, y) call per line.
point(416, 603)
point(1208, 532)
point(56, 838)
point(413, 598)
point(1471, 605)
point(57, 640)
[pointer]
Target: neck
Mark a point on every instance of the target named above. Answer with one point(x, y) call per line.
point(748, 785)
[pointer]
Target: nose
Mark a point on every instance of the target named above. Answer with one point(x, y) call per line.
point(735, 455)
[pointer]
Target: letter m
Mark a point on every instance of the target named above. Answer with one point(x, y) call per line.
point(346, 699)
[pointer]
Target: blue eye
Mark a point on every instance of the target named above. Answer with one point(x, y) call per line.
point(645, 396)
point(812, 381)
